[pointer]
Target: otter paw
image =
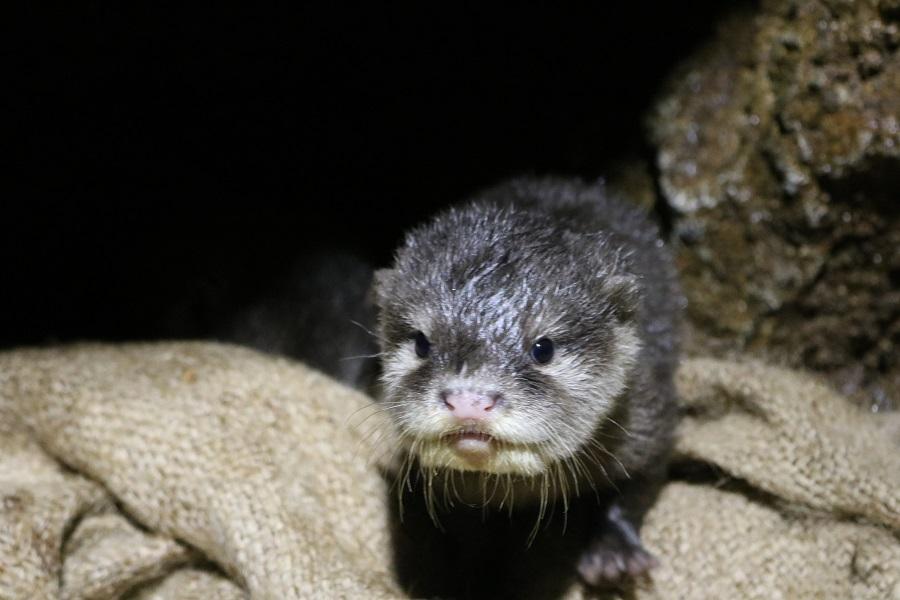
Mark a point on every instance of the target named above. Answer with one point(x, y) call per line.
point(613, 558)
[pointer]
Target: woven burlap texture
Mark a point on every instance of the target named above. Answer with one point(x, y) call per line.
point(195, 470)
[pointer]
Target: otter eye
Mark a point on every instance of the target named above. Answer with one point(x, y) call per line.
point(423, 346)
point(542, 351)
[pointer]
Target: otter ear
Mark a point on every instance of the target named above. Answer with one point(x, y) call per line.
point(622, 293)
point(382, 283)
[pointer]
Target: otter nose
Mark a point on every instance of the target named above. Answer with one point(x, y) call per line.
point(470, 404)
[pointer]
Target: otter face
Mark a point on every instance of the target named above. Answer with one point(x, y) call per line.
point(505, 340)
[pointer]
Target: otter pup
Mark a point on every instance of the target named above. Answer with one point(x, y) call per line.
point(528, 343)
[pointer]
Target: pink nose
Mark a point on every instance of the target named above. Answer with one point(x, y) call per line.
point(468, 404)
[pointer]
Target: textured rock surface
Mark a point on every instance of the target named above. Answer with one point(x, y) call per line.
point(778, 156)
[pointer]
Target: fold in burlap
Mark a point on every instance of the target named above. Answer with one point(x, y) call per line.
point(190, 470)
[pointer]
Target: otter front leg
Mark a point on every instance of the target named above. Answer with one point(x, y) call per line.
point(615, 553)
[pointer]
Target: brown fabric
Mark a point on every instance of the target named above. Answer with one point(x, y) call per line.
point(190, 470)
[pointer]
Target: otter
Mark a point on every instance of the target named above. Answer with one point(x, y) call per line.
point(528, 340)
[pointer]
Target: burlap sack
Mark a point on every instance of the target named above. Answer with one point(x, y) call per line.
point(190, 470)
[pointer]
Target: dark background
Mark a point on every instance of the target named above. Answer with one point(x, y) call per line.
point(168, 157)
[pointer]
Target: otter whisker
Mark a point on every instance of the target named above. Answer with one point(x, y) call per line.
point(361, 356)
point(375, 408)
point(367, 330)
point(607, 452)
point(619, 425)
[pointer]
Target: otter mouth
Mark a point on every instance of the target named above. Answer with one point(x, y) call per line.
point(470, 444)
point(471, 449)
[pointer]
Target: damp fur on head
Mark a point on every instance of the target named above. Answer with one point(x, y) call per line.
point(483, 282)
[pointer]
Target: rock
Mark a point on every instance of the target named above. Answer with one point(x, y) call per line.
point(778, 159)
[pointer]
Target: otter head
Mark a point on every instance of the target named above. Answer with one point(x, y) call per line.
point(506, 340)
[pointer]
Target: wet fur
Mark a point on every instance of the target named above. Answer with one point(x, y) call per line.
point(531, 258)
